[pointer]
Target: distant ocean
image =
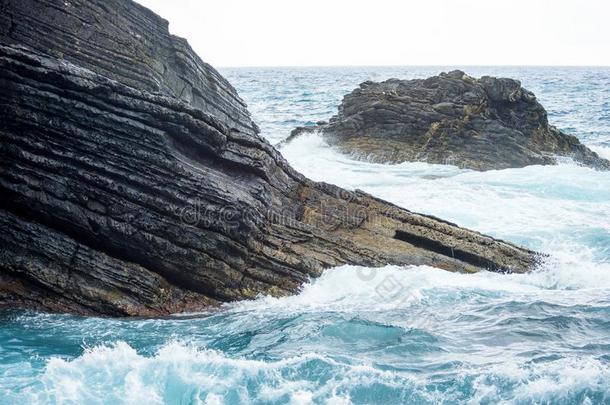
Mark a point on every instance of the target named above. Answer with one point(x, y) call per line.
point(360, 335)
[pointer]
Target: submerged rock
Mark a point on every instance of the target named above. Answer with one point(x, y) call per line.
point(119, 198)
point(452, 118)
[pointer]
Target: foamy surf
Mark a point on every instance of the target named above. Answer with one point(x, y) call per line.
point(182, 373)
point(335, 343)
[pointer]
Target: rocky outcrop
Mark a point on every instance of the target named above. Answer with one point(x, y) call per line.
point(121, 201)
point(124, 41)
point(481, 124)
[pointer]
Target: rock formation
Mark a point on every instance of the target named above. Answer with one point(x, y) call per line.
point(482, 124)
point(124, 41)
point(124, 195)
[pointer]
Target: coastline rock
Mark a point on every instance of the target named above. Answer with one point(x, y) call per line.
point(119, 200)
point(481, 124)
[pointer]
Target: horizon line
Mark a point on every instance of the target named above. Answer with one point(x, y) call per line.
point(412, 65)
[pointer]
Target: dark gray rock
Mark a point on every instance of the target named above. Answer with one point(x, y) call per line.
point(121, 201)
point(481, 124)
point(127, 42)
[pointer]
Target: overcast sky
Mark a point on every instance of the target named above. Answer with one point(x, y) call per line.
point(392, 32)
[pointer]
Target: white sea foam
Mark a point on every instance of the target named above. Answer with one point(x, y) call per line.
point(603, 151)
point(564, 380)
point(181, 373)
point(354, 289)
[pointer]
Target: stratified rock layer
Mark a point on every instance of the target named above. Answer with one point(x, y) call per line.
point(481, 124)
point(119, 201)
point(124, 41)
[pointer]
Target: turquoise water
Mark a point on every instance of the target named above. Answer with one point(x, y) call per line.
point(358, 335)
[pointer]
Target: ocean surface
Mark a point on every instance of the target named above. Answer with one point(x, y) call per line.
point(385, 336)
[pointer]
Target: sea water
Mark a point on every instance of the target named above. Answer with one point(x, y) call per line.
point(360, 335)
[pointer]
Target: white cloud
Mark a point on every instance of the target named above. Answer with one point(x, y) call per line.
point(392, 32)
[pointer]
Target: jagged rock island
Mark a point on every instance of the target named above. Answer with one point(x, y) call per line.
point(481, 124)
point(134, 181)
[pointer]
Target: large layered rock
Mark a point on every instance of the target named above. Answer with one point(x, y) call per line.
point(481, 124)
point(117, 200)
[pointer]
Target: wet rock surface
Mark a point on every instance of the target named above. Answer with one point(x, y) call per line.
point(120, 196)
point(482, 124)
